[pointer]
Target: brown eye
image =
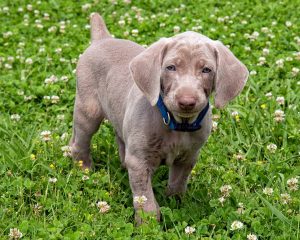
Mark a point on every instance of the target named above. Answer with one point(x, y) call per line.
point(171, 68)
point(206, 70)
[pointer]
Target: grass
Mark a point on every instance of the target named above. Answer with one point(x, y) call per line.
point(33, 47)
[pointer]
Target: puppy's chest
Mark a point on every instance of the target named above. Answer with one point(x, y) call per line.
point(177, 148)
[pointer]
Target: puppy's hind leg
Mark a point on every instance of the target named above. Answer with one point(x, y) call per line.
point(88, 116)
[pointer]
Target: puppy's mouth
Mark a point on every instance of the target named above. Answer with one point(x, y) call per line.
point(185, 117)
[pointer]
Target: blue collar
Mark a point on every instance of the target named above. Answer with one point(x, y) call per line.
point(183, 127)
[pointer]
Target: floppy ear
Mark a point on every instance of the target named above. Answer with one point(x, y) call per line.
point(145, 69)
point(231, 75)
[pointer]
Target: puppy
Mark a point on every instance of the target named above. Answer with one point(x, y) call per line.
point(157, 100)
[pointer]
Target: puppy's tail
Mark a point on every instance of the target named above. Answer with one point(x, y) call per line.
point(98, 28)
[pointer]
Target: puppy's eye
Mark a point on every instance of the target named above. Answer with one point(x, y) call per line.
point(171, 68)
point(206, 70)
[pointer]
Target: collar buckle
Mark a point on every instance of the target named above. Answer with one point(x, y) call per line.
point(167, 122)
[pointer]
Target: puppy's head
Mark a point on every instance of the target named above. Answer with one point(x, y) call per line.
point(185, 69)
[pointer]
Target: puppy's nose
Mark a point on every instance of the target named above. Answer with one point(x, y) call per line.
point(187, 103)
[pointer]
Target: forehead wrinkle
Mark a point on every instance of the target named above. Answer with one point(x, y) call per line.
point(184, 52)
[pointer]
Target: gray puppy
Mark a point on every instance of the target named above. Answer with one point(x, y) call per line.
point(156, 99)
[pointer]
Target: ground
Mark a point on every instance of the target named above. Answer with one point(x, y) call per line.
point(245, 184)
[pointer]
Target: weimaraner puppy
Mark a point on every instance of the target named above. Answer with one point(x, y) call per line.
point(156, 99)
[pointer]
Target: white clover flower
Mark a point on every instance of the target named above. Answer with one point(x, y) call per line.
point(46, 98)
point(52, 29)
point(241, 208)
point(29, 61)
point(15, 117)
point(214, 126)
point(280, 63)
point(39, 26)
point(7, 66)
point(265, 29)
point(122, 23)
point(20, 92)
point(225, 190)
point(220, 19)
point(46, 135)
point(261, 61)
point(239, 156)
point(236, 225)
point(46, 16)
point(103, 206)
point(293, 184)
point(274, 23)
point(234, 113)
point(86, 7)
point(135, 32)
point(189, 230)
point(54, 99)
point(253, 72)
point(27, 98)
point(7, 34)
point(5, 9)
point(288, 24)
point(298, 40)
point(15, 233)
point(58, 50)
point(266, 51)
point(247, 35)
point(269, 95)
point(268, 191)
point(289, 59)
point(251, 236)
point(64, 136)
point(176, 29)
point(272, 147)
point(140, 19)
point(140, 200)
point(10, 59)
point(52, 180)
point(254, 35)
point(285, 198)
point(37, 208)
point(62, 28)
point(66, 151)
point(42, 49)
point(85, 177)
point(29, 7)
point(280, 100)
point(51, 79)
point(60, 116)
point(295, 71)
point(222, 200)
point(297, 55)
point(279, 115)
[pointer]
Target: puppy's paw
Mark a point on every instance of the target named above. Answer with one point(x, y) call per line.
point(81, 159)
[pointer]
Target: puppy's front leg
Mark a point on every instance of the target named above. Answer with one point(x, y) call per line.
point(179, 174)
point(140, 176)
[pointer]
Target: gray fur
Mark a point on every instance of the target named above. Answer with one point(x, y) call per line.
point(120, 81)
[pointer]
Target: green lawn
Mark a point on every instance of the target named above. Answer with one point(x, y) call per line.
point(246, 172)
